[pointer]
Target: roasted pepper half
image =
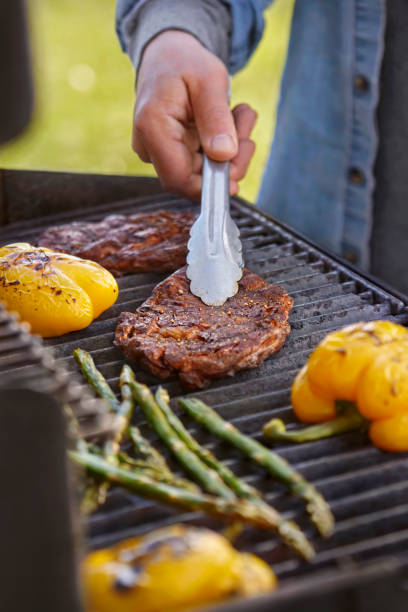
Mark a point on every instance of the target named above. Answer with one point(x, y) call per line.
point(55, 293)
point(356, 378)
point(174, 568)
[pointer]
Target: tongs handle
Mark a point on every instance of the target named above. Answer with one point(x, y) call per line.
point(214, 260)
point(215, 202)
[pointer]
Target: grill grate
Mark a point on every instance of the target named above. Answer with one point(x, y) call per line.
point(367, 489)
point(25, 363)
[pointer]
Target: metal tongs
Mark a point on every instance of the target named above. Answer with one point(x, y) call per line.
point(214, 260)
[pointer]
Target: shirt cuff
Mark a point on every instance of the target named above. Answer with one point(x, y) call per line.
point(208, 20)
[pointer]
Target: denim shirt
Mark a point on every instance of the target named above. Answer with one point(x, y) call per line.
point(319, 175)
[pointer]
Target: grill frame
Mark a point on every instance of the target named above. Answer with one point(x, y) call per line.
point(350, 578)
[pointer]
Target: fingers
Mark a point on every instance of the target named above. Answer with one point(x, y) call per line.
point(138, 146)
point(212, 115)
point(233, 188)
point(174, 149)
point(240, 163)
point(164, 136)
point(179, 171)
point(161, 139)
point(197, 164)
point(189, 135)
point(245, 118)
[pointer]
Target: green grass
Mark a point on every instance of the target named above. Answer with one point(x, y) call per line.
point(84, 92)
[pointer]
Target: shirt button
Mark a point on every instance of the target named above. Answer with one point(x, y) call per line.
point(351, 256)
point(356, 176)
point(361, 83)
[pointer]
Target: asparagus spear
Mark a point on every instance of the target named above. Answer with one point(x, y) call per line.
point(155, 463)
point(122, 417)
point(95, 378)
point(240, 487)
point(146, 450)
point(157, 473)
point(90, 491)
point(140, 444)
point(206, 477)
point(123, 413)
point(288, 530)
point(119, 425)
point(236, 509)
point(348, 419)
point(275, 465)
point(123, 410)
point(74, 429)
point(154, 460)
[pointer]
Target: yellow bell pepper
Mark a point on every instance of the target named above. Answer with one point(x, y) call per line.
point(391, 434)
point(55, 293)
point(309, 404)
point(335, 365)
point(383, 397)
point(356, 378)
point(174, 568)
point(383, 390)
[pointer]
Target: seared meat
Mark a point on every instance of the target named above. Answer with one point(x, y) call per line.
point(142, 242)
point(173, 331)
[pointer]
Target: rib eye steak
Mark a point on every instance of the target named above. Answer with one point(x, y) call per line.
point(142, 242)
point(174, 332)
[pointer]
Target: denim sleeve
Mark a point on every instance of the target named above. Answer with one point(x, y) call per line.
point(246, 18)
point(247, 29)
point(208, 20)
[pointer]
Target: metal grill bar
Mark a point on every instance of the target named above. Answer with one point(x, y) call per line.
point(25, 363)
point(367, 489)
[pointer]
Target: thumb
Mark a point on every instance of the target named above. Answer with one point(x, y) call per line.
point(213, 118)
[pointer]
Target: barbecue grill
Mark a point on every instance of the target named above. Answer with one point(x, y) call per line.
point(364, 566)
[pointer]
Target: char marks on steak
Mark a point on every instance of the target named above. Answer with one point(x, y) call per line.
point(174, 332)
point(142, 242)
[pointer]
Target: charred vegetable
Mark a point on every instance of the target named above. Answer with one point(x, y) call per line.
point(152, 464)
point(205, 476)
point(95, 379)
point(356, 378)
point(171, 569)
point(277, 466)
point(335, 366)
point(137, 481)
point(150, 475)
point(54, 293)
point(290, 533)
point(96, 494)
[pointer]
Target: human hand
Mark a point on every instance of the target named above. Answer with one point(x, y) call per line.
point(182, 109)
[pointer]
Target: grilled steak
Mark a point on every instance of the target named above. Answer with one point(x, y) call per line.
point(142, 242)
point(174, 332)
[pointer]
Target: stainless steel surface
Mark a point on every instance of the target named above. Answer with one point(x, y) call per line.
point(214, 260)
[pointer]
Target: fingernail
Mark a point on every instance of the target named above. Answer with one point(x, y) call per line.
point(222, 143)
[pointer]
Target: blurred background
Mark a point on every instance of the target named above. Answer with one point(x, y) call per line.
point(84, 92)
